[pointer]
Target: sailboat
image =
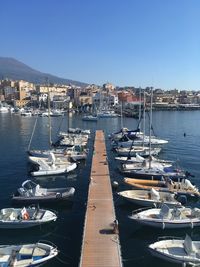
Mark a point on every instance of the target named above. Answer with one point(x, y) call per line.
point(51, 165)
point(149, 169)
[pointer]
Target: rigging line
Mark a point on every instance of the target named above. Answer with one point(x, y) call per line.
point(29, 145)
point(60, 125)
point(151, 124)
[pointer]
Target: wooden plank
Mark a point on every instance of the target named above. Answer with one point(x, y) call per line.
point(100, 245)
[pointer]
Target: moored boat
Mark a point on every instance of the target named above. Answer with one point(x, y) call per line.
point(148, 198)
point(183, 187)
point(31, 192)
point(90, 118)
point(177, 250)
point(15, 218)
point(26, 255)
point(168, 218)
point(45, 169)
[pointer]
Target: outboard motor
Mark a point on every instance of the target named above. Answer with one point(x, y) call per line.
point(182, 199)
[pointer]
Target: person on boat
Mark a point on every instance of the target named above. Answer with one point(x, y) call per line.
point(169, 183)
point(24, 214)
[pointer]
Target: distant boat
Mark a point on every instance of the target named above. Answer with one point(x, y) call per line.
point(90, 118)
point(26, 255)
point(26, 113)
point(4, 109)
point(56, 113)
point(107, 114)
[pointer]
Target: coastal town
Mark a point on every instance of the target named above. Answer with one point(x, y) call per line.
point(20, 94)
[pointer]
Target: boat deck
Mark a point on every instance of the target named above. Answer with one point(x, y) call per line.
point(100, 245)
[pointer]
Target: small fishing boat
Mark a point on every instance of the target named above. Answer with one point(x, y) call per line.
point(15, 218)
point(183, 187)
point(177, 250)
point(31, 192)
point(26, 255)
point(168, 218)
point(149, 198)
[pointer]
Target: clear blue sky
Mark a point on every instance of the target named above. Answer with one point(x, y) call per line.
point(125, 42)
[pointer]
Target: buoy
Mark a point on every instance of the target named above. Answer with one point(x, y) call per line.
point(115, 184)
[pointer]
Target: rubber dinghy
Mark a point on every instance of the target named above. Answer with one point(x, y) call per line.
point(31, 192)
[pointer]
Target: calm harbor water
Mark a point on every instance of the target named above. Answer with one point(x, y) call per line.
point(66, 233)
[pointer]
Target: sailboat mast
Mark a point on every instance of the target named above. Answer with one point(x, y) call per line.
point(49, 118)
point(122, 115)
point(150, 126)
point(144, 106)
point(139, 108)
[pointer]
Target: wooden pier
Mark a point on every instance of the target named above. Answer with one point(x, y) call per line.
point(100, 245)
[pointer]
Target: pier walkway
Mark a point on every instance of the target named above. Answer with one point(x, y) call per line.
point(100, 245)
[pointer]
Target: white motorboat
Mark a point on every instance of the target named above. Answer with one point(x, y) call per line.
point(26, 113)
point(57, 113)
point(78, 131)
point(15, 218)
point(31, 192)
point(26, 255)
point(4, 109)
point(149, 198)
point(168, 218)
point(90, 118)
point(45, 169)
point(177, 250)
point(107, 114)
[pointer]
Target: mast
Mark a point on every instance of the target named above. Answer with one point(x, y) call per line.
point(122, 115)
point(68, 116)
point(49, 118)
point(139, 108)
point(144, 106)
point(150, 125)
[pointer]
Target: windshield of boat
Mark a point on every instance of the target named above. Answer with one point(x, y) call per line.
point(29, 185)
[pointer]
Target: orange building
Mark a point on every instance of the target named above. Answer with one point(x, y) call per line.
point(126, 96)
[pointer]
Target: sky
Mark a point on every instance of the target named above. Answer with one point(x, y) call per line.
point(125, 42)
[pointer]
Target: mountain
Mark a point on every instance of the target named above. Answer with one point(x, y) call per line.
point(11, 68)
